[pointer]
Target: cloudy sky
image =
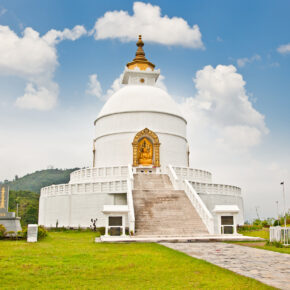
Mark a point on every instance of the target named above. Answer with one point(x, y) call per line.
point(226, 63)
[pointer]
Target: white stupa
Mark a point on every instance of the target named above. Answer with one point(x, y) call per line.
point(141, 179)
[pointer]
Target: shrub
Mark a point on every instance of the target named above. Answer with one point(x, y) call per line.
point(264, 223)
point(42, 233)
point(102, 230)
point(257, 222)
point(24, 233)
point(98, 234)
point(275, 244)
point(2, 232)
point(243, 228)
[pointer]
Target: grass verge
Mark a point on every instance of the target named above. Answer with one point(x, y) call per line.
point(264, 233)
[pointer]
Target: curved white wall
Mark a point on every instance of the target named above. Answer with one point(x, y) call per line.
point(76, 210)
point(211, 200)
point(115, 134)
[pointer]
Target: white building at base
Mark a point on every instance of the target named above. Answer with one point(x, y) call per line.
point(139, 132)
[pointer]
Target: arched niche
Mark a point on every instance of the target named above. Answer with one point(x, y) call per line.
point(143, 142)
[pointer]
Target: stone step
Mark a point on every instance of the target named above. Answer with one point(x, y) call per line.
point(161, 210)
point(152, 181)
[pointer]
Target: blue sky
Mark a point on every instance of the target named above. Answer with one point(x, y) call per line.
point(245, 34)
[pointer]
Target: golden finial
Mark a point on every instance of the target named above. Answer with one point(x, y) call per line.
point(140, 60)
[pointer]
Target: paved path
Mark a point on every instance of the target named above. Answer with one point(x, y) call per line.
point(266, 266)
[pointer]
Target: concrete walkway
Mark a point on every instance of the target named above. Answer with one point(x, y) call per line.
point(177, 239)
point(266, 266)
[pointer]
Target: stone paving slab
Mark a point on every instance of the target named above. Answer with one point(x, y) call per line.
point(266, 266)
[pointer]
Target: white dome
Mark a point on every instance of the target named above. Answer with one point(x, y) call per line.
point(132, 98)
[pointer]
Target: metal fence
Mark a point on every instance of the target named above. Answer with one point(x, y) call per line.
point(280, 234)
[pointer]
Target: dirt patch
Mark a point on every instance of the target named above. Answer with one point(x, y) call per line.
point(252, 244)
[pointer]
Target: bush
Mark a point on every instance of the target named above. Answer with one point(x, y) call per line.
point(2, 232)
point(98, 234)
point(249, 228)
point(264, 223)
point(275, 244)
point(42, 233)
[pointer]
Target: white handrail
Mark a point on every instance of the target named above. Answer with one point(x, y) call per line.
point(131, 214)
point(173, 178)
point(200, 207)
point(194, 198)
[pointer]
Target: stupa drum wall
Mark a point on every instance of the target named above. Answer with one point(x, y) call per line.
point(115, 134)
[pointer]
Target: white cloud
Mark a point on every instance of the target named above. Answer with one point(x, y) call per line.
point(55, 36)
point(94, 86)
point(222, 105)
point(160, 83)
point(116, 85)
point(34, 58)
point(147, 20)
point(38, 97)
point(223, 126)
point(219, 39)
point(241, 62)
point(283, 49)
point(2, 11)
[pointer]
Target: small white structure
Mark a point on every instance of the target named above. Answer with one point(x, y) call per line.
point(139, 125)
point(32, 232)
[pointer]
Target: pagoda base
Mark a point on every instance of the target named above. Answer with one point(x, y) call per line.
point(11, 224)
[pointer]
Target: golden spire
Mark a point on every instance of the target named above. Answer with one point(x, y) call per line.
point(140, 60)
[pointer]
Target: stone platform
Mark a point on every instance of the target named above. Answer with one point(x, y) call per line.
point(11, 224)
point(176, 239)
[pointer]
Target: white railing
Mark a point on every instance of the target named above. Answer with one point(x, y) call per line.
point(173, 178)
point(211, 188)
point(191, 174)
point(131, 213)
point(200, 207)
point(280, 234)
point(194, 198)
point(116, 186)
point(98, 174)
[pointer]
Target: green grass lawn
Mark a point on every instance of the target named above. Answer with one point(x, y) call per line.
point(264, 233)
point(73, 260)
point(262, 245)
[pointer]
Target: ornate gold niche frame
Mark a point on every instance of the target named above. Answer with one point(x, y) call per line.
point(152, 136)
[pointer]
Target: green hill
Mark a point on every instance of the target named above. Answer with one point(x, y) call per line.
point(25, 191)
point(35, 181)
point(27, 205)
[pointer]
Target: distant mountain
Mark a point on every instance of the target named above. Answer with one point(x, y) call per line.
point(35, 181)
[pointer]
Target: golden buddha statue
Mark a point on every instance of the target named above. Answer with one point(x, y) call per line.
point(145, 153)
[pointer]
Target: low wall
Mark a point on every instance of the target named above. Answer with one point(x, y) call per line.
point(94, 174)
point(190, 174)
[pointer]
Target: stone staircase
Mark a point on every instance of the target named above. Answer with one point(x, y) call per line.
point(162, 211)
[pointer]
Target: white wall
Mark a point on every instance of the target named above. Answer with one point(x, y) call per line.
point(115, 134)
point(75, 210)
point(211, 200)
